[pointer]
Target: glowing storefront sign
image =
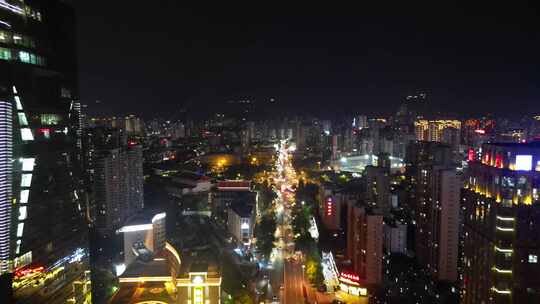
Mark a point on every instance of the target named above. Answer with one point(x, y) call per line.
point(350, 283)
point(353, 290)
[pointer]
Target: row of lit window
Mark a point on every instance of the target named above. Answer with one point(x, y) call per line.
point(22, 56)
point(18, 39)
point(32, 13)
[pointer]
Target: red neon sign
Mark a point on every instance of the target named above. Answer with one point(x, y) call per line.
point(27, 271)
point(350, 276)
point(471, 155)
point(329, 207)
point(498, 161)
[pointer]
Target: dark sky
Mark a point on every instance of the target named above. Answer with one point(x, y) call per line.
point(152, 57)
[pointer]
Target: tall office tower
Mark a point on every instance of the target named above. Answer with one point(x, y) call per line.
point(360, 122)
point(416, 104)
point(412, 107)
point(326, 127)
point(116, 195)
point(132, 124)
point(250, 126)
point(501, 222)
point(96, 140)
point(375, 127)
point(347, 139)
point(300, 136)
point(435, 188)
point(335, 148)
point(365, 243)
point(40, 218)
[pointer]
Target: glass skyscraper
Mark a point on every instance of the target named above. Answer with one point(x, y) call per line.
point(42, 226)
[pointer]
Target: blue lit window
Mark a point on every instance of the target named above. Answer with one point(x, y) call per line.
point(5, 54)
point(24, 56)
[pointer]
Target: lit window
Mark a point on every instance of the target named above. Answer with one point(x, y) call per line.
point(24, 56)
point(66, 93)
point(5, 54)
point(24, 196)
point(26, 134)
point(22, 213)
point(18, 102)
point(5, 37)
point(28, 164)
point(26, 180)
point(524, 162)
point(50, 119)
point(20, 229)
point(533, 258)
point(22, 119)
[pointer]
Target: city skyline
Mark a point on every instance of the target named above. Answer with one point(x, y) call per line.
point(232, 154)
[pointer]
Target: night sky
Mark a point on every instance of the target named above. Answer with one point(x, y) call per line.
point(154, 57)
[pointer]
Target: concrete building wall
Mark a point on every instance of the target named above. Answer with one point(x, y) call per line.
point(396, 238)
point(449, 226)
point(374, 246)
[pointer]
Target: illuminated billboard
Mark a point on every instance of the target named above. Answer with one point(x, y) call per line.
point(523, 162)
point(350, 283)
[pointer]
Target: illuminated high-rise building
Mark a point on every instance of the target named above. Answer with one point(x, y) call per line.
point(41, 223)
point(434, 195)
point(365, 243)
point(133, 125)
point(501, 212)
point(434, 130)
point(118, 186)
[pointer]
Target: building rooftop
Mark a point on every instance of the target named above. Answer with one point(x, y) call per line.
point(242, 209)
point(143, 217)
point(234, 185)
point(191, 176)
point(199, 261)
point(157, 267)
